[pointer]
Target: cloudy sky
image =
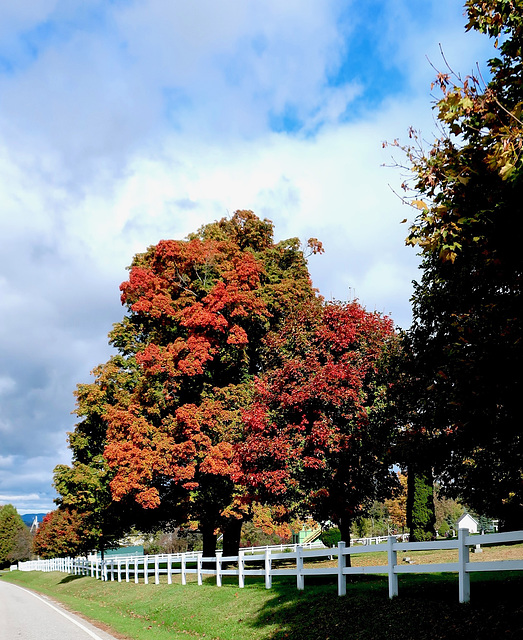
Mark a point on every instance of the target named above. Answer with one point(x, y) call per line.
point(123, 122)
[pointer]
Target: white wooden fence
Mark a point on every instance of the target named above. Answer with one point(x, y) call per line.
point(119, 568)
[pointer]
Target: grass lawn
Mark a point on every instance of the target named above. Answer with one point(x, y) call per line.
point(488, 553)
point(427, 607)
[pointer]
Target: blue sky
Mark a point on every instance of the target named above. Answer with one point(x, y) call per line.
point(125, 122)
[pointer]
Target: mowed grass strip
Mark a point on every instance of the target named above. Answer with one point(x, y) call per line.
point(427, 607)
point(488, 553)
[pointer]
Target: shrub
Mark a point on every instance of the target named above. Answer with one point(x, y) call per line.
point(330, 537)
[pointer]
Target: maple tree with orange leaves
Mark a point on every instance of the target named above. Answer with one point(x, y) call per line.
point(194, 336)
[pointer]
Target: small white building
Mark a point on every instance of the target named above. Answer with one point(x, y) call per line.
point(467, 522)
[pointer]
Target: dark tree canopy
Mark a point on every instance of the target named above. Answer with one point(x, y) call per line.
point(466, 346)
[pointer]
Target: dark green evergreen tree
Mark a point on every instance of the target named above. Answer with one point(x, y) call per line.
point(421, 517)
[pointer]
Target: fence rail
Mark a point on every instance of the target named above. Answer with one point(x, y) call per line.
point(259, 562)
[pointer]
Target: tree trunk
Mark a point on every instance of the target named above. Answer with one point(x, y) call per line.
point(345, 527)
point(209, 542)
point(231, 537)
point(511, 518)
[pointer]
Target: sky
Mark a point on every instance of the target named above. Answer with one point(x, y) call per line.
point(124, 122)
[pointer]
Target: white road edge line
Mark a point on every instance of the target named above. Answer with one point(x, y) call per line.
point(62, 613)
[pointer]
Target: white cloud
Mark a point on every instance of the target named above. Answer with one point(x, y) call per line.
point(6, 462)
point(7, 384)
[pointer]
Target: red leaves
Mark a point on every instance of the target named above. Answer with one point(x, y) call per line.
point(64, 532)
point(220, 460)
point(311, 413)
point(237, 336)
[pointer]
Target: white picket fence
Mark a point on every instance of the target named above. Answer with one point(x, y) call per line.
point(119, 568)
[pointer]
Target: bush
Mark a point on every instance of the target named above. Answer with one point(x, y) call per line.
point(420, 535)
point(330, 537)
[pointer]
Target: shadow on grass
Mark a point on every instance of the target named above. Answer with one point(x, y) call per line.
point(427, 608)
point(71, 578)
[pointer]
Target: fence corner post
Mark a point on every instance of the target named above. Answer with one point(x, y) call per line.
point(183, 569)
point(268, 563)
point(199, 568)
point(241, 568)
point(300, 580)
point(463, 559)
point(392, 562)
point(342, 578)
point(219, 555)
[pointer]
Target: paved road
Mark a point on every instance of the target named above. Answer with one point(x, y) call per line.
point(25, 615)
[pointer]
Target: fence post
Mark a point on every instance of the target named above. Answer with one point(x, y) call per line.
point(392, 561)
point(136, 566)
point(342, 578)
point(300, 581)
point(268, 577)
point(241, 568)
point(169, 569)
point(463, 558)
point(199, 568)
point(156, 569)
point(219, 555)
point(146, 569)
point(184, 569)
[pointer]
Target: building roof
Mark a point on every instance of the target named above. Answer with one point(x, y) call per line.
point(467, 515)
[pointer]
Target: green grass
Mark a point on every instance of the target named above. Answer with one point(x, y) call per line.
point(427, 607)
